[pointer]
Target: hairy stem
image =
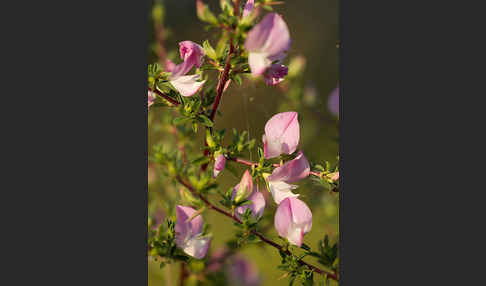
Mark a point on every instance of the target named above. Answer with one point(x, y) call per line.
point(261, 236)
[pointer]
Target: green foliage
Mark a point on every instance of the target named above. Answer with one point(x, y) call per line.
point(328, 254)
point(327, 172)
point(294, 270)
point(162, 244)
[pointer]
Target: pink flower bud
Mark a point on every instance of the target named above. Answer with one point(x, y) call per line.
point(257, 203)
point(219, 164)
point(151, 99)
point(293, 219)
point(245, 188)
point(333, 101)
point(248, 8)
point(290, 172)
point(275, 74)
point(282, 135)
point(268, 41)
point(189, 233)
point(241, 272)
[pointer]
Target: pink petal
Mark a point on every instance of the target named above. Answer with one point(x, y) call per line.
point(333, 101)
point(169, 65)
point(301, 214)
point(187, 85)
point(186, 229)
point(292, 171)
point(293, 219)
point(283, 218)
point(268, 41)
point(282, 134)
point(191, 52)
point(151, 99)
point(248, 8)
point(219, 165)
point(257, 204)
point(181, 69)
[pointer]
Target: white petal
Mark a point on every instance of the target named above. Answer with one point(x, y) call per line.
point(197, 246)
point(295, 235)
point(281, 190)
point(187, 85)
point(258, 63)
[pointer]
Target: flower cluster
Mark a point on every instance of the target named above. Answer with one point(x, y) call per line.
point(257, 50)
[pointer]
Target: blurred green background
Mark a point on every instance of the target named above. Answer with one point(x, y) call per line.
point(313, 28)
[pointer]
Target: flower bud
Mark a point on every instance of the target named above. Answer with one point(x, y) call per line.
point(219, 164)
point(256, 206)
point(245, 188)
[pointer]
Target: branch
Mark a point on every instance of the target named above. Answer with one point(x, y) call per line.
point(168, 98)
point(251, 164)
point(261, 236)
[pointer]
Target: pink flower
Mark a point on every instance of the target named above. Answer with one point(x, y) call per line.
point(257, 203)
point(241, 272)
point(333, 101)
point(281, 134)
point(293, 219)
point(275, 74)
point(268, 41)
point(151, 99)
point(192, 54)
point(248, 8)
point(189, 233)
point(290, 172)
point(219, 164)
point(244, 189)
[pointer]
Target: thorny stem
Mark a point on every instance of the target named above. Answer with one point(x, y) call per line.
point(261, 236)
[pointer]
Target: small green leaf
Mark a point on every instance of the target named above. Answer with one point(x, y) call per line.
point(206, 120)
point(209, 50)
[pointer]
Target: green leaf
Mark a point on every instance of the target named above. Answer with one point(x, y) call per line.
point(201, 160)
point(204, 119)
point(180, 120)
point(305, 246)
point(204, 14)
point(209, 50)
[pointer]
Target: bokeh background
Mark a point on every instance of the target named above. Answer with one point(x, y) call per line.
point(314, 31)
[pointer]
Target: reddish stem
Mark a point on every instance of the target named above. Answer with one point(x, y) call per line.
point(169, 99)
point(261, 236)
